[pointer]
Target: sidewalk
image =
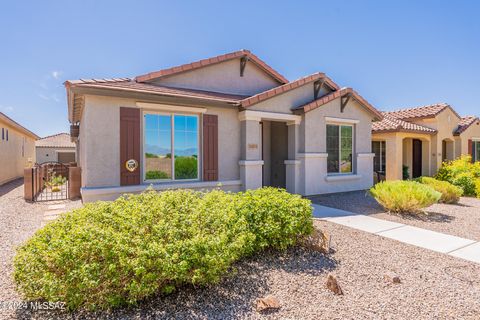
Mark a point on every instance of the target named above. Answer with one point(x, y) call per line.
point(436, 241)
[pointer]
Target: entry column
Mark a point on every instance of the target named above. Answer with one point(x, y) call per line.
point(251, 162)
point(292, 164)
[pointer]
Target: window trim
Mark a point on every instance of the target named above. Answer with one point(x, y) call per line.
point(340, 125)
point(172, 140)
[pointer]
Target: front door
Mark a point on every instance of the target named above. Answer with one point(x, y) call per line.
point(417, 158)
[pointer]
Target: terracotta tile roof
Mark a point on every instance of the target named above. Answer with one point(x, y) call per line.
point(287, 87)
point(389, 124)
point(4, 118)
point(337, 94)
point(127, 84)
point(465, 123)
point(209, 61)
point(59, 140)
point(422, 112)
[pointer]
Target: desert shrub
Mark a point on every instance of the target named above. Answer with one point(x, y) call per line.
point(108, 254)
point(462, 173)
point(404, 196)
point(477, 187)
point(450, 193)
point(156, 174)
point(276, 217)
point(466, 181)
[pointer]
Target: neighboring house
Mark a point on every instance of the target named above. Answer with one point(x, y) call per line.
point(421, 139)
point(230, 121)
point(55, 148)
point(17, 149)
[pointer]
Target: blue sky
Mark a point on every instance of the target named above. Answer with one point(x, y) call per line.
point(395, 54)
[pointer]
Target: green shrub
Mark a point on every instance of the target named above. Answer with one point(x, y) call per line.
point(450, 193)
point(156, 174)
point(404, 196)
point(275, 217)
point(461, 173)
point(477, 187)
point(108, 254)
point(466, 181)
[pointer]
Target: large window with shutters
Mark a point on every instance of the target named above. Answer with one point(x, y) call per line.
point(171, 144)
point(339, 149)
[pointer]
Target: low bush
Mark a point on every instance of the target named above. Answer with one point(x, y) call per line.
point(156, 174)
point(108, 254)
point(275, 217)
point(404, 196)
point(462, 173)
point(450, 193)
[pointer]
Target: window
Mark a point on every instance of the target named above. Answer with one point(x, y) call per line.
point(378, 147)
point(339, 148)
point(171, 147)
point(476, 150)
point(7, 134)
point(3, 133)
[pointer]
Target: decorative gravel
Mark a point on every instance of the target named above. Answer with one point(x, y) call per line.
point(462, 219)
point(18, 221)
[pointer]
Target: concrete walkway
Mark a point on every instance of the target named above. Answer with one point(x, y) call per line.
point(52, 213)
point(436, 241)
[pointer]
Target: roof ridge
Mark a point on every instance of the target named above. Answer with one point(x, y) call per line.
point(54, 135)
point(443, 104)
point(213, 60)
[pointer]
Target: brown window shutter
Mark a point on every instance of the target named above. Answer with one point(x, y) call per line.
point(129, 145)
point(470, 148)
point(210, 147)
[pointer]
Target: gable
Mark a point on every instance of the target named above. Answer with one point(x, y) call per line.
point(222, 77)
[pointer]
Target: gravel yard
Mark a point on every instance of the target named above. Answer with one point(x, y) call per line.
point(462, 219)
point(434, 286)
point(18, 221)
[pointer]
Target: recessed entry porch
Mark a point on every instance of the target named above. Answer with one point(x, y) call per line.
point(269, 145)
point(401, 155)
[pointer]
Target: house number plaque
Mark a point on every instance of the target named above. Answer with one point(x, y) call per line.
point(131, 165)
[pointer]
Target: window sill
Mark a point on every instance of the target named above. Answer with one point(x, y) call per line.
point(342, 177)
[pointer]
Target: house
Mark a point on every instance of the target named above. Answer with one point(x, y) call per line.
point(17, 149)
point(55, 148)
point(421, 138)
point(229, 121)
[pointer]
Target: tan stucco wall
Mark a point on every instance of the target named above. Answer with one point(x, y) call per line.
point(49, 154)
point(399, 149)
point(445, 123)
point(12, 162)
point(316, 126)
point(223, 77)
point(472, 132)
point(99, 141)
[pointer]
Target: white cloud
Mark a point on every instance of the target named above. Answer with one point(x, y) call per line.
point(56, 74)
point(44, 97)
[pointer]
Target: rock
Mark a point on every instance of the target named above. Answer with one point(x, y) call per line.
point(268, 303)
point(333, 285)
point(317, 241)
point(392, 278)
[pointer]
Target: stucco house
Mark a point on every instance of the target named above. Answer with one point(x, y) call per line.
point(55, 148)
point(229, 121)
point(17, 149)
point(421, 138)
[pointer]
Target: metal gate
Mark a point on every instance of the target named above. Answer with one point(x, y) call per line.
point(50, 181)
